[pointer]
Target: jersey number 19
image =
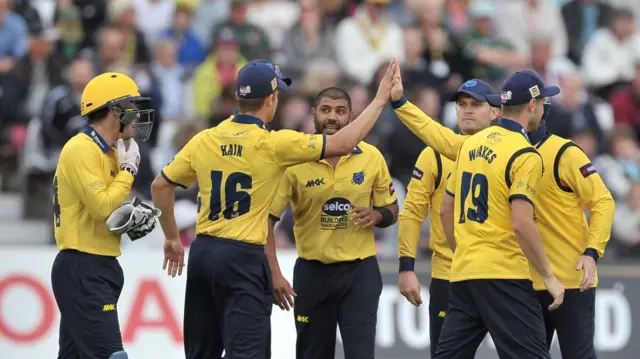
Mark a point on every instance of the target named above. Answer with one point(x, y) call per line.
point(233, 196)
point(478, 185)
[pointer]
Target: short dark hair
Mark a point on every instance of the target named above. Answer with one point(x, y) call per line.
point(97, 116)
point(334, 93)
point(250, 104)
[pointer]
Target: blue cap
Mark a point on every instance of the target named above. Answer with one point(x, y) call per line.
point(477, 89)
point(522, 87)
point(259, 79)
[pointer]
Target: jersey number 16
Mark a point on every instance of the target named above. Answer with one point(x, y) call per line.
point(233, 196)
point(478, 185)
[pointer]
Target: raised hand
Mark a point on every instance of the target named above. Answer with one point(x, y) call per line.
point(397, 90)
point(384, 89)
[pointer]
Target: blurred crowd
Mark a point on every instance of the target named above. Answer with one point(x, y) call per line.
point(185, 54)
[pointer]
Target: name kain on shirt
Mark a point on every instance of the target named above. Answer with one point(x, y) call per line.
point(482, 152)
point(231, 150)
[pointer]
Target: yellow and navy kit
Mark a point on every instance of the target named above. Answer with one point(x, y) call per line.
point(424, 198)
point(570, 185)
point(442, 139)
point(321, 196)
point(238, 165)
point(494, 167)
point(87, 187)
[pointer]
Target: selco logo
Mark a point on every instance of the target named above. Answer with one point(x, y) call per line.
point(336, 206)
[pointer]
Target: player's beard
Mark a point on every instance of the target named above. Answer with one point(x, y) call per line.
point(334, 126)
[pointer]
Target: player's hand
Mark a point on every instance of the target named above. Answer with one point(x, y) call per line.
point(588, 265)
point(364, 217)
point(282, 292)
point(173, 257)
point(410, 287)
point(556, 289)
point(384, 88)
point(397, 90)
point(128, 155)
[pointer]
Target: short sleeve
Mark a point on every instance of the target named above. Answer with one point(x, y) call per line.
point(383, 192)
point(292, 148)
point(282, 198)
point(524, 172)
point(180, 171)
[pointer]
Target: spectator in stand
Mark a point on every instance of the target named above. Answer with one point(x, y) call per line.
point(92, 15)
point(13, 37)
point(493, 58)
point(224, 105)
point(415, 68)
point(217, 71)
point(108, 52)
point(441, 50)
point(191, 50)
point(626, 223)
point(154, 16)
point(252, 40)
point(170, 75)
point(122, 14)
point(582, 18)
point(577, 111)
point(319, 74)
point(609, 56)
point(367, 40)
point(547, 65)
point(311, 37)
point(61, 118)
point(275, 17)
point(68, 22)
point(208, 13)
point(588, 143)
point(621, 167)
point(626, 103)
point(522, 21)
point(457, 18)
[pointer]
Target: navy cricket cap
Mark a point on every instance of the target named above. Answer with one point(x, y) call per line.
point(479, 90)
point(259, 79)
point(522, 87)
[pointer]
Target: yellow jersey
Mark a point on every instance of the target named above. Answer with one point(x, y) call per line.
point(238, 166)
point(495, 166)
point(567, 188)
point(320, 197)
point(88, 186)
point(424, 198)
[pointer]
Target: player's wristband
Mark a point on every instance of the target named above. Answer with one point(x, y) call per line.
point(407, 264)
point(387, 217)
point(592, 253)
point(399, 103)
point(129, 169)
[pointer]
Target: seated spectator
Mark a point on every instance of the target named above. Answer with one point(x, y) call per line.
point(217, 71)
point(252, 40)
point(275, 17)
point(108, 53)
point(191, 50)
point(550, 67)
point(319, 74)
point(223, 106)
point(621, 167)
point(492, 56)
point(171, 76)
point(154, 16)
point(122, 14)
point(609, 56)
point(416, 70)
point(311, 37)
point(582, 18)
point(68, 22)
point(626, 223)
point(625, 103)
point(521, 21)
point(13, 37)
point(366, 40)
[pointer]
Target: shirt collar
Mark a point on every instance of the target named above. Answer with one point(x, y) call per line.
point(512, 125)
point(89, 131)
point(248, 120)
point(537, 136)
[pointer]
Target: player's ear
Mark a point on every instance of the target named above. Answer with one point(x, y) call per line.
point(313, 112)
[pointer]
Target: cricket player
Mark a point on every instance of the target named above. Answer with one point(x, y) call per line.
point(93, 178)
point(238, 166)
point(424, 197)
point(569, 186)
point(573, 244)
point(488, 218)
point(336, 204)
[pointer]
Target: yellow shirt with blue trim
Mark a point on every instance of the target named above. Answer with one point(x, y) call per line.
point(238, 166)
point(320, 197)
point(494, 167)
point(424, 198)
point(88, 186)
point(570, 185)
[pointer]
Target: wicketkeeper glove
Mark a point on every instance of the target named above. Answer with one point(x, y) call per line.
point(134, 218)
